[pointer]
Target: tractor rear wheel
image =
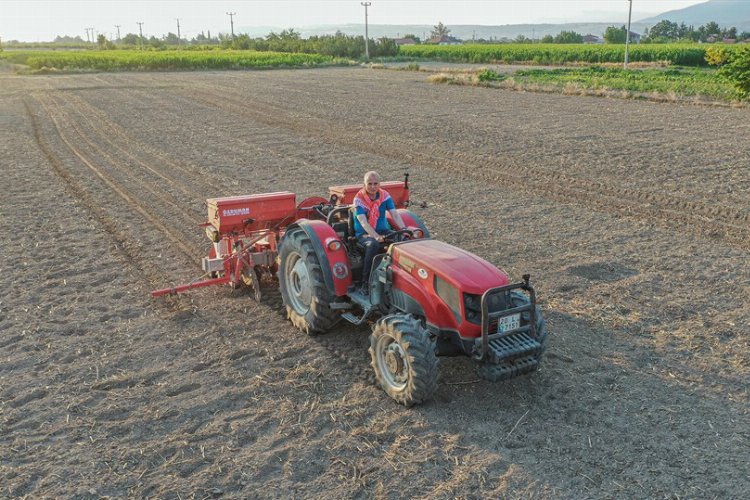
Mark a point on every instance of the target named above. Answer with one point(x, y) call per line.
point(303, 290)
point(496, 373)
point(404, 359)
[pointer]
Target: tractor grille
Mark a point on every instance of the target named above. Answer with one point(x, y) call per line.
point(472, 305)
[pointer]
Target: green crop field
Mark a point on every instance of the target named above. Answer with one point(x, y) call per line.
point(136, 60)
point(677, 54)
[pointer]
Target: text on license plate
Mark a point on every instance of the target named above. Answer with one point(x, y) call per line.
point(507, 323)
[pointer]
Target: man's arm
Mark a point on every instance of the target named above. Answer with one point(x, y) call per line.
point(397, 219)
point(362, 218)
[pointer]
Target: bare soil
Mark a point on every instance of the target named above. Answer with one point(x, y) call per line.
point(633, 219)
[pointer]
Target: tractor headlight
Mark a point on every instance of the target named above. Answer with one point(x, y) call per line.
point(333, 244)
point(473, 308)
point(417, 233)
point(213, 234)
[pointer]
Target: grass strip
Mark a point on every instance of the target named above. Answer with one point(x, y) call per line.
point(672, 84)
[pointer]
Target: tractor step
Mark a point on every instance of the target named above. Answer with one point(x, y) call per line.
point(513, 346)
point(357, 320)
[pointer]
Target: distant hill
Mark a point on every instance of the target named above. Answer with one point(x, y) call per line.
point(727, 13)
point(463, 32)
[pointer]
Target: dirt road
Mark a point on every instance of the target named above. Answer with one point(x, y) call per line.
point(633, 219)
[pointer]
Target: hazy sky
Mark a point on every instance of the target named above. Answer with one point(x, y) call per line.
point(32, 20)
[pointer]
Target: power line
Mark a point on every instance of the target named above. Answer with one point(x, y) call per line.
point(627, 35)
point(367, 36)
point(231, 21)
point(140, 30)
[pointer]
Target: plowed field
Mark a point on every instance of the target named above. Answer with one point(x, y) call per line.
point(633, 219)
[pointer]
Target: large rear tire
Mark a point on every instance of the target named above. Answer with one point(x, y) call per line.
point(404, 359)
point(302, 287)
point(496, 373)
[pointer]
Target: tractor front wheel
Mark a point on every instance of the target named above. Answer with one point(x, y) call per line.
point(404, 359)
point(301, 284)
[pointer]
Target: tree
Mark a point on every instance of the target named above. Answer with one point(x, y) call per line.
point(171, 39)
point(131, 39)
point(569, 37)
point(712, 28)
point(156, 43)
point(615, 35)
point(665, 29)
point(548, 39)
point(439, 30)
point(731, 33)
point(289, 34)
point(103, 43)
point(737, 70)
point(67, 39)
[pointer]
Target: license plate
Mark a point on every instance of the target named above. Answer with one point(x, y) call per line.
point(507, 323)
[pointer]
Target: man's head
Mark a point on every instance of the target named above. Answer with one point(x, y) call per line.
point(372, 182)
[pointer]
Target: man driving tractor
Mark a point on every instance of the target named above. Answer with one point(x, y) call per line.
point(370, 224)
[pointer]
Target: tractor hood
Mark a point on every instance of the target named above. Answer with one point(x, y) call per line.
point(465, 270)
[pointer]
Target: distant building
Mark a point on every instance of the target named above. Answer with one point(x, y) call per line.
point(635, 37)
point(592, 39)
point(729, 40)
point(444, 40)
point(404, 41)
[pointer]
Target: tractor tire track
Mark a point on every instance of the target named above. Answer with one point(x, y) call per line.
point(168, 181)
point(185, 247)
point(191, 174)
point(144, 185)
point(123, 243)
point(662, 209)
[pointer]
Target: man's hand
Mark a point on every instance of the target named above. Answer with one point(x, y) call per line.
point(380, 238)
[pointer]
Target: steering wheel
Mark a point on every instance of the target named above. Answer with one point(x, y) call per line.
point(392, 236)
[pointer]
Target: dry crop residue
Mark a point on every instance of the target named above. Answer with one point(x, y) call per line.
point(632, 217)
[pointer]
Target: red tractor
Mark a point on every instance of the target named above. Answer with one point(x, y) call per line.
point(426, 298)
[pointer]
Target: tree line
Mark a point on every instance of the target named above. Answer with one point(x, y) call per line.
point(669, 32)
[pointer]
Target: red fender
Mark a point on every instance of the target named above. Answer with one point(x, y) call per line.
point(331, 253)
point(410, 219)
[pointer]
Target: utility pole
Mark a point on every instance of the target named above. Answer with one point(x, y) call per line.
point(118, 31)
point(178, 32)
point(93, 38)
point(367, 35)
point(627, 35)
point(231, 21)
point(140, 30)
